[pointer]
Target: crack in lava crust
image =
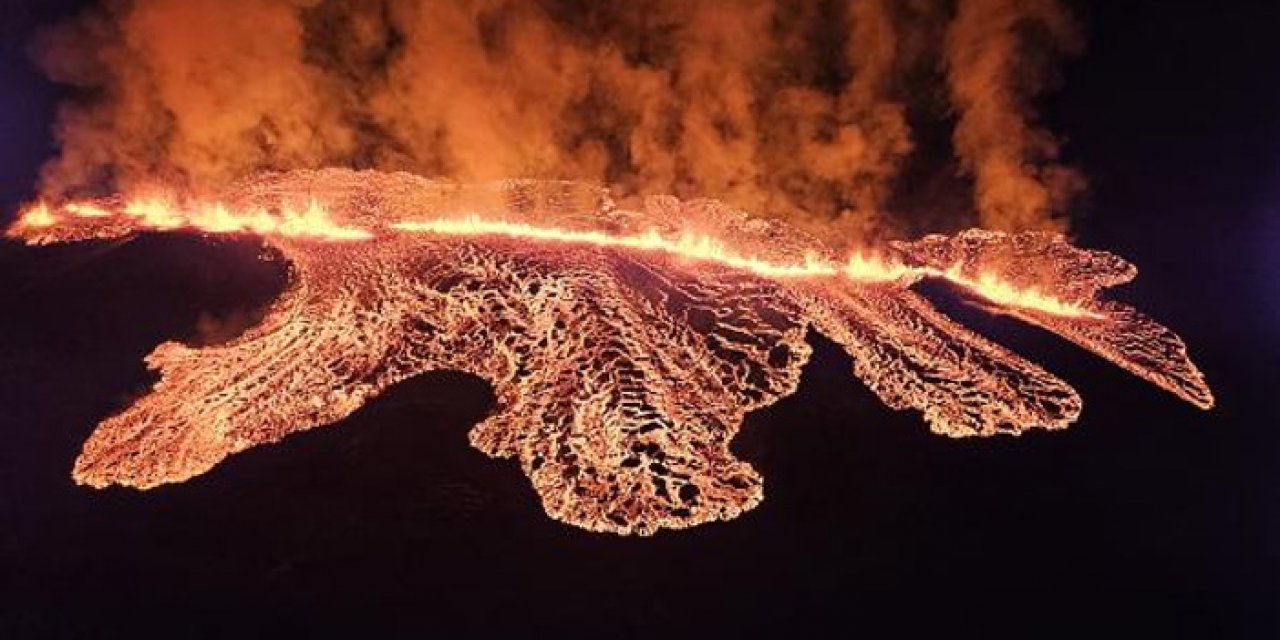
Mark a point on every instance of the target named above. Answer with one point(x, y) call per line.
point(620, 375)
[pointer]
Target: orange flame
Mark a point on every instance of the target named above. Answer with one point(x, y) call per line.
point(36, 216)
point(990, 286)
point(860, 267)
point(314, 221)
point(85, 210)
point(154, 214)
point(691, 246)
point(876, 269)
point(159, 213)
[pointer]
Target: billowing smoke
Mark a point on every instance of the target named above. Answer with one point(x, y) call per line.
point(993, 69)
point(804, 109)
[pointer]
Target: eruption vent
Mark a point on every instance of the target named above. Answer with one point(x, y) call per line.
point(624, 346)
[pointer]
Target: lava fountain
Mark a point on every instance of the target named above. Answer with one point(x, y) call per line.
point(624, 347)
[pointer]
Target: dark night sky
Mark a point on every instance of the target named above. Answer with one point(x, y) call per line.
point(1148, 516)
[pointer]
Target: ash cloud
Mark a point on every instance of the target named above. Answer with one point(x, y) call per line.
point(801, 109)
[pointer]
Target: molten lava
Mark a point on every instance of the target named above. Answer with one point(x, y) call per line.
point(624, 347)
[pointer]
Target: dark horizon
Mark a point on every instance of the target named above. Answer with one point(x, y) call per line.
point(1146, 516)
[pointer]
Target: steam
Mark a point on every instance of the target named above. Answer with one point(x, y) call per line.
point(800, 109)
point(996, 54)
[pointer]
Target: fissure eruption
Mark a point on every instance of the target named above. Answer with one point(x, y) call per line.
point(624, 345)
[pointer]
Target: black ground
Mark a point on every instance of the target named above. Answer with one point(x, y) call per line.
point(1148, 516)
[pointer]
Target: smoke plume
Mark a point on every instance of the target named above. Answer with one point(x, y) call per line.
point(994, 67)
point(802, 109)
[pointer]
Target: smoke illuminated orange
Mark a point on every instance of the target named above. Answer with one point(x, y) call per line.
point(624, 347)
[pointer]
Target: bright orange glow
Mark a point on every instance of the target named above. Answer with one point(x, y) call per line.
point(314, 221)
point(37, 215)
point(85, 210)
point(876, 269)
point(154, 213)
point(158, 213)
point(860, 267)
point(691, 246)
point(990, 286)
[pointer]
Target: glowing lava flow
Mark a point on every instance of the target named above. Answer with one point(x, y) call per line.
point(624, 347)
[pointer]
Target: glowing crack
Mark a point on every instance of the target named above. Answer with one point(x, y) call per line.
point(624, 346)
